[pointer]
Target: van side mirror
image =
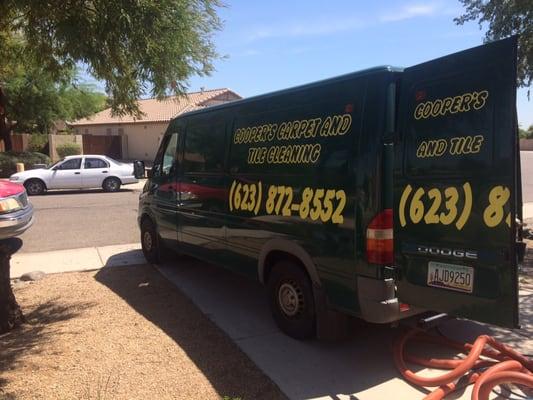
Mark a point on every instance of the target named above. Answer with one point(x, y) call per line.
point(138, 169)
point(149, 173)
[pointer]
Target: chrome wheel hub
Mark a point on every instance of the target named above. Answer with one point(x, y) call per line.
point(34, 187)
point(290, 299)
point(148, 242)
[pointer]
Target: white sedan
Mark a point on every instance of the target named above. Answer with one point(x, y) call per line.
point(77, 172)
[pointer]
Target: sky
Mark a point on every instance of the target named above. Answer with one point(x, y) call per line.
point(276, 44)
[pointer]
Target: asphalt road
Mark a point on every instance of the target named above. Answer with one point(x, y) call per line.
point(74, 219)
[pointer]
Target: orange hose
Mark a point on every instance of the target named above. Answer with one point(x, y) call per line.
point(506, 366)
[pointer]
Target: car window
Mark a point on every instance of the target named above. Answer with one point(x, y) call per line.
point(95, 163)
point(73, 163)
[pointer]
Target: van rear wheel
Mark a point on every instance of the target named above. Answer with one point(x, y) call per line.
point(291, 300)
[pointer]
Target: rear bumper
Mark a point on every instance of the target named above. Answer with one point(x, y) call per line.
point(378, 302)
point(15, 224)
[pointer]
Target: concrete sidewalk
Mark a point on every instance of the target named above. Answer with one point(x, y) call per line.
point(85, 259)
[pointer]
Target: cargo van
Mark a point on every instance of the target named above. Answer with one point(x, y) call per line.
point(379, 194)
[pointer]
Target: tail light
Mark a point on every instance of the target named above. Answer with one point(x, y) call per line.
point(379, 239)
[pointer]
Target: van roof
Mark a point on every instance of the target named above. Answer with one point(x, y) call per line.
point(339, 78)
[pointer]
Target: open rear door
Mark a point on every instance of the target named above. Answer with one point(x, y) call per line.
point(456, 192)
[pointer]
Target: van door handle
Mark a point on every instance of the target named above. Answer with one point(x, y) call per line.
point(77, 173)
point(105, 172)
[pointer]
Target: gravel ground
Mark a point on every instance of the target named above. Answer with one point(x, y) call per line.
point(121, 333)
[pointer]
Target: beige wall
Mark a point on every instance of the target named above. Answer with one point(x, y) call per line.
point(526, 144)
point(58, 140)
point(140, 140)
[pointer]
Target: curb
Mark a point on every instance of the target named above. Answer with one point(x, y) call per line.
point(75, 260)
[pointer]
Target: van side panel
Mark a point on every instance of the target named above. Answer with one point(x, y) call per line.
point(307, 202)
point(203, 186)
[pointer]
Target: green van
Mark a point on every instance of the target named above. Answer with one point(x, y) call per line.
point(379, 194)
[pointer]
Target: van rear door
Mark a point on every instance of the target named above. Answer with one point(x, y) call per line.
point(456, 192)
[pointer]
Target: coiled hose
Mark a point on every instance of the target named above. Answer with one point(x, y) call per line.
point(501, 364)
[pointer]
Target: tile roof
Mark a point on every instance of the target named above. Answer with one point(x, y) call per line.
point(159, 111)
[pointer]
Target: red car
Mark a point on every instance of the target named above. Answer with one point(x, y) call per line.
point(16, 212)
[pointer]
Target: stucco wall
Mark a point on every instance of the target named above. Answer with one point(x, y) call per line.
point(140, 141)
point(57, 140)
point(526, 144)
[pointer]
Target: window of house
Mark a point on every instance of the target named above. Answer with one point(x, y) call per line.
point(86, 131)
point(108, 131)
point(95, 163)
point(204, 148)
point(121, 131)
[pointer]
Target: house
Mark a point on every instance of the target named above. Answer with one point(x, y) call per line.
point(129, 138)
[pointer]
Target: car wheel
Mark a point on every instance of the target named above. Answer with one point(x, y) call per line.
point(111, 185)
point(150, 242)
point(34, 187)
point(291, 300)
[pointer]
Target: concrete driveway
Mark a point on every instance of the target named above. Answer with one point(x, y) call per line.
point(359, 368)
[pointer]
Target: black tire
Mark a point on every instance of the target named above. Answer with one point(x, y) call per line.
point(291, 300)
point(111, 184)
point(150, 242)
point(35, 187)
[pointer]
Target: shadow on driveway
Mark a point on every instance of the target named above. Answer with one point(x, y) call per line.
point(227, 368)
point(303, 370)
point(359, 368)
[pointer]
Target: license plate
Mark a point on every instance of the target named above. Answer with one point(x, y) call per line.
point(450, 276)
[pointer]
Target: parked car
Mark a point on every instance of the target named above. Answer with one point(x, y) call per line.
point(78, 172)
point(16, 212)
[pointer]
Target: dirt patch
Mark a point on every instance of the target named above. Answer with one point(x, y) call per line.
point(121, 333)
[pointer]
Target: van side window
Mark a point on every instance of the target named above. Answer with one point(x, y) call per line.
point(165, 162)
point(204, 148)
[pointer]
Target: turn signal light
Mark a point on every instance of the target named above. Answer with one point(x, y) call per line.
point(379, 239)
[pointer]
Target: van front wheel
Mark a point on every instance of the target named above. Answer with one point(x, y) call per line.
point(150, 242)
point(291, 300)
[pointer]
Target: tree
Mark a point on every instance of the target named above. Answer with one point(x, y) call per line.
point(526, 134)
point(506, 18)
point(130, 45)
point(36, 101)
point(133, 46)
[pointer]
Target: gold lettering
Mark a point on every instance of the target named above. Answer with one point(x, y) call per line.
point(418, 111)
point(451, 105)
point(421, 151)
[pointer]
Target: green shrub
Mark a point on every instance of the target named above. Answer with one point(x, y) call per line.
point(38, 143)
point(68, 149)
point(9, 160)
